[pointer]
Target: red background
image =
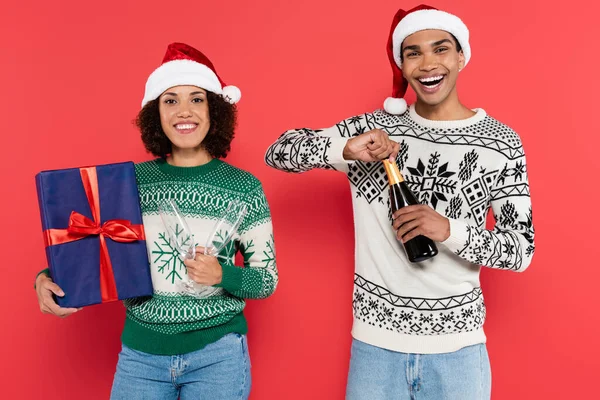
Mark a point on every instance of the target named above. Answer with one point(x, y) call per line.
point(72, 78)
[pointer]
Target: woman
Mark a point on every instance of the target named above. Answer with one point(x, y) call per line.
point(176, 345)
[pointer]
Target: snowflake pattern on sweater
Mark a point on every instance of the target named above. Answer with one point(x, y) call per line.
point(203, 194)
point(462, 169)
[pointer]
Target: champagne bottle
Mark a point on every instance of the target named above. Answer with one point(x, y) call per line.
point(421, 247)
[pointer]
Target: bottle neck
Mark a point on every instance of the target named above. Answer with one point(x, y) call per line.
point(393, 173)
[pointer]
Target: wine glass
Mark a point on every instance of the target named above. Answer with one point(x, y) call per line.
point(183, 241)
point(180, 237)
point(225, 228)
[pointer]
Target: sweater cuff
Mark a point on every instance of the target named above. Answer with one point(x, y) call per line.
point(232, 278)
point(458, 235)
point(335, 152)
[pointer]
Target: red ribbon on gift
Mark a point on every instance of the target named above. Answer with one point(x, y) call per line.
point(80, 226)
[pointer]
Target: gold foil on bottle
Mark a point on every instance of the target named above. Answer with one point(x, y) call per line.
point(393, 173)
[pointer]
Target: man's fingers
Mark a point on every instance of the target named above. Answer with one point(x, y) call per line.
point(375, 142)
point(377, 153)
point(374, 146)
point(407, 227)
point(395, 151)
point(383, 152)
point(408, 210)
point(375, 136)
point(412, 234)
point(404, 218)
point(390, 150)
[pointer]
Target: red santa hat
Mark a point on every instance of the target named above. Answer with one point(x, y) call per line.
point(184, 65)
point(406, 23)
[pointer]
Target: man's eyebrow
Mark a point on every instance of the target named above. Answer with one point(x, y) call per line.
point(413, 47)
point(442, 41)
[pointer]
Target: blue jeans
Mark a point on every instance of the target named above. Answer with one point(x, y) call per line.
point(380, 374)
point(221, 370)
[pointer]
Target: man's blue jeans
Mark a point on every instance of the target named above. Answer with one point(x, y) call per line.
point(380, 374)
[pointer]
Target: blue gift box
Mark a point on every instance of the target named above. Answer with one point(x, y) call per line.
point(95, 242)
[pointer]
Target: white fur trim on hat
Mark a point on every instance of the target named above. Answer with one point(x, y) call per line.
point(396, 106)
point(180, 72)
point(430, 19)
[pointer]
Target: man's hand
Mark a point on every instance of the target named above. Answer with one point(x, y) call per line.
point(412, 221)
point(374, 145)
point(44, 288)
point(204, 269)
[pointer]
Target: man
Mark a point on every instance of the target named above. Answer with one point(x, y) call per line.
point(418, 327)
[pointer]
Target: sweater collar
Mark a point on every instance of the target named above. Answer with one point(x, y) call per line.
point(203, 169)
point(480, 114)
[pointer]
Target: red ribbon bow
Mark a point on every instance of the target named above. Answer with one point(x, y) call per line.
point(80, 226)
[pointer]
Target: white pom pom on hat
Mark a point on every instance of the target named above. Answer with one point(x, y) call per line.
point(395, 105)
point(184, 65)
point(232, 94)
point(404, 24)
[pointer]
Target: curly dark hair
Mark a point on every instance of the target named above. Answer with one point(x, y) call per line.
point(223, 119)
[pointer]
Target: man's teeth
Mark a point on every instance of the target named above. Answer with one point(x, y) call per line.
point(431, 79)
point(185, 126)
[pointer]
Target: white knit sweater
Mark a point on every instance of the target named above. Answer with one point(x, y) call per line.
point(459, 168)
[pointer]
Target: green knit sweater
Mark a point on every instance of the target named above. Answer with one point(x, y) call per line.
point(171, 322)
